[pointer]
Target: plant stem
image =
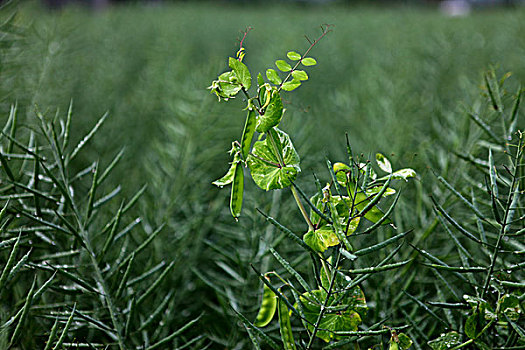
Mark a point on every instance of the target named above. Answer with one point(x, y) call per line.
point(470, 341)
point(302, 209)
point(325, 303)
point(505, 222)
point(326, 30)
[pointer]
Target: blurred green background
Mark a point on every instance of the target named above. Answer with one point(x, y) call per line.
point(383, 73)
point(392, 77)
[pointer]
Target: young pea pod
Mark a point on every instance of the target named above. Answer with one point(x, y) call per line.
point(235, 177)
point(285, 326)
point(247, 134)
point(230, 175)
point(268, 306)
point(237, 191)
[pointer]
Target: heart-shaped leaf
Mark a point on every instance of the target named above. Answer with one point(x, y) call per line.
point(321, 239)
point(272, 115)
point(264, 162)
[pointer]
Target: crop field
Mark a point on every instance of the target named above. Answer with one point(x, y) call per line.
point(112, 235)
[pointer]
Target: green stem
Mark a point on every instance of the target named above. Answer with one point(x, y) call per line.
point(326, 30)
point(325, 303)
point(325, 267)
point(463, 345)
point(302, 209)
point(505, 222)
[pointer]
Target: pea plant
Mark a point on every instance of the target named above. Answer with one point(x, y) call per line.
point(346, 206)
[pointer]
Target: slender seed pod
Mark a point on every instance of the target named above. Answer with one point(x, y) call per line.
point(285, 326)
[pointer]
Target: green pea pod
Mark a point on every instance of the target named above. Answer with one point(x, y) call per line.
point(226, 179)
point(247, 134)
point(268, 306)
point(285, 326)
point(237, 191)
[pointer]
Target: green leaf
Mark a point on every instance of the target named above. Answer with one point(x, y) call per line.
point(399, 341)
point(321, 239)
point(341, 317)
point(273, 77)
point(260, 80)
point(309, 61)
point(509, 305)
point(272, 115)
point(264, 165)
point(359, 202)
point(283, 65)
point(268, 307)
point(291, 85)
point(445, 341)
point(404, 341)
point(474, 324)
point(404, 174)
point(294, 56)
point(300, 75)
point(343, 173)
point(478, 303)
point(383, 163)
point(393, 345)
point(241, 71)
point(227, 86)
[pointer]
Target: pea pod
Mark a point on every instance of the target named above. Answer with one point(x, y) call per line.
point(228, 178)
point(268, 306)
point(247, 134)
point(237, 191)
point(285, 326)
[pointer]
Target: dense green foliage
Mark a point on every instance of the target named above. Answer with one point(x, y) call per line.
point(401, 82)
